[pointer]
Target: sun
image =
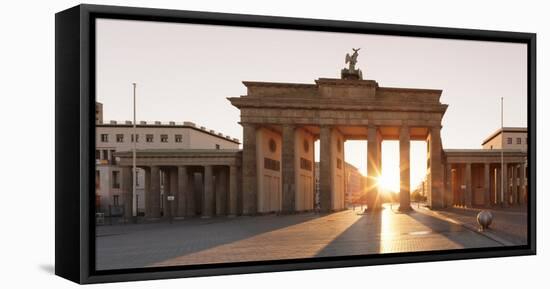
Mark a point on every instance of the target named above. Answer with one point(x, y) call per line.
point(389, 182)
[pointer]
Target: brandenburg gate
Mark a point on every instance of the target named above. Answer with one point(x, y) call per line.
point(275, 171)
point(281, 122)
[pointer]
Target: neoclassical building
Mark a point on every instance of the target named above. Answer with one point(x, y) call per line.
point(493, 175)
point(114, 137)
point(274, 171)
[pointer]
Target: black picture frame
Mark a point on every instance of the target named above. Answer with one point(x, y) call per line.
point(75, 138)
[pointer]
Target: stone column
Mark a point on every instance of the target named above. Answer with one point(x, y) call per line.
point(154, 196)
point(487, 184)
point(435, 199)
point(468, 183)
point(497, 186)
point(165, 191)
point(289, 170)
point(233, 190)
point(147, 191)
point(127, 197)
point(514, 183)
point(191, 194)
point(505, 194)
point(181, 198)
point(325, 169)
point(373, 168)
point(172, 206)
point(221, 192)
point(405, 169)
point(208, 199)
point(249, 170)
point(448, 185)
point(522, 190)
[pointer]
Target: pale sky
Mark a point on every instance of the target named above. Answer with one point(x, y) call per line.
point(185, 72)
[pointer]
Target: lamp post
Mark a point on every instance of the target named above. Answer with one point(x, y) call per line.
point(134, 172)
point(502, 151)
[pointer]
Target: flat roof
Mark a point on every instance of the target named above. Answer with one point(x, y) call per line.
point(173, 125)
point(505, 129)
point(181, 152)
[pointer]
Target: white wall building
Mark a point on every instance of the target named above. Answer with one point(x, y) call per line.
point(507, 138)
point(116, 136)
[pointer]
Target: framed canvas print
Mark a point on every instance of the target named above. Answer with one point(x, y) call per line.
point(195, 144)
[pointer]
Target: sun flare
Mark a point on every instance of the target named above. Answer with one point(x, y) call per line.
point(389, 182)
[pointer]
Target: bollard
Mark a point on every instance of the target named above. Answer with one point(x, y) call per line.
point(484, 219)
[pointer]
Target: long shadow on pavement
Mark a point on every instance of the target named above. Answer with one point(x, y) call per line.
point(456, 233)
point(146, 244)
point(363, 237)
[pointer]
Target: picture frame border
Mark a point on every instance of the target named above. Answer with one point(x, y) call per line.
point(75, 138)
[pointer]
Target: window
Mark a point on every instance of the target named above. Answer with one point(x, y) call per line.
point(217, 146)
point(491, 146)
point(272, 164)
point(119, 137)
point(116, 180)
point(305, 164)
point(509, 140)
point(163, 138)
point(105, 155)
point(136, 137)
point(115, 200)
point(518, 140)
point(97, 154)
point(104, 137)
point(178, 138)
point(112, 155)
point(272, 145)
point(137, 178)
point(149, 138)
point(339, 163)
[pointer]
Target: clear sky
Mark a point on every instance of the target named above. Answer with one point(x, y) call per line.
point(185, 72)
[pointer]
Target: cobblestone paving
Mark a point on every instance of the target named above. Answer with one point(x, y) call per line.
point(219, 240)
point(509, 224)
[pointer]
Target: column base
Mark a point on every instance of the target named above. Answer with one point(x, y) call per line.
point(404, 208)
point(373, 209)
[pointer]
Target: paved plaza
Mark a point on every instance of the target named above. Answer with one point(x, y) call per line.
point(509, 226)
point(220, 240)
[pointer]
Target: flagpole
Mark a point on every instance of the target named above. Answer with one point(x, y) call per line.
point(501, 151)
point(134, 172)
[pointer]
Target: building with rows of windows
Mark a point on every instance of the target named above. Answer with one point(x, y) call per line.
point(115, 137)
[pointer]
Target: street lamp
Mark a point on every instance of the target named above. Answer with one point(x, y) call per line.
point(501, 151)
point(134, 172)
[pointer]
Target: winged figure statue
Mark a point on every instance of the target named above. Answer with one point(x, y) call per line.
point(352, 59)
